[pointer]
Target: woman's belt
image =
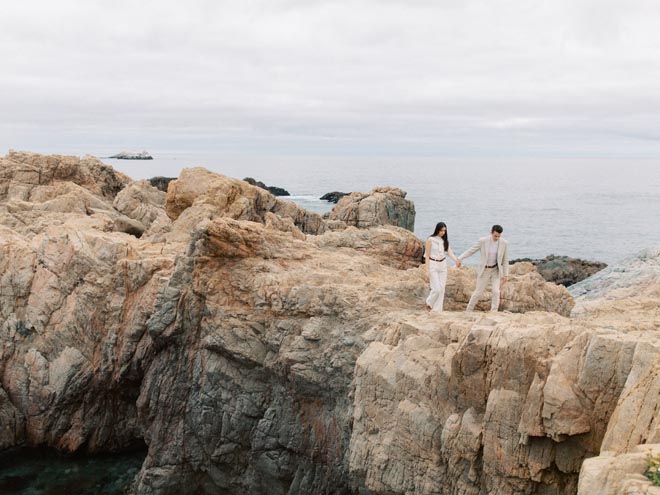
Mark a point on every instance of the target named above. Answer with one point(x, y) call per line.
point(434, 259)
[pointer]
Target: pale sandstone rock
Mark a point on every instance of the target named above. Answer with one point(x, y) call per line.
point(392, 246)
point(235, 199)
point(382, 206)
point(623, 474)
point(21, 173)
point(145, 204)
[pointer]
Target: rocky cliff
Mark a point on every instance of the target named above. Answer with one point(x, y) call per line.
point(259, 348)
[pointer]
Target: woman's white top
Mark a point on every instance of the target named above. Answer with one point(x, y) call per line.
point(437, 248)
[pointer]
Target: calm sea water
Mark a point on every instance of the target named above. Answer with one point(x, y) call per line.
point(45, 472)
point(601, 209)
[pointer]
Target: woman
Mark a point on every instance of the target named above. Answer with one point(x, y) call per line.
point(437, 250)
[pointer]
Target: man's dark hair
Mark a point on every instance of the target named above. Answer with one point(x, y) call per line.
point(497, 228)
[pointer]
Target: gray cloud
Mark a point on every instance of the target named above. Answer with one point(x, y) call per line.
point(371, 76)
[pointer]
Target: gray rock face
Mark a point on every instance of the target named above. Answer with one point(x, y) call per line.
point(333, 197)
point(161, 183)
point(563, 270)
point(639, 273)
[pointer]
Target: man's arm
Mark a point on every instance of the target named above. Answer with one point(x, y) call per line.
point(470, 251)
point(505, 260)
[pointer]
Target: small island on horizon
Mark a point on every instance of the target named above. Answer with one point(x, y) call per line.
point(132, 155)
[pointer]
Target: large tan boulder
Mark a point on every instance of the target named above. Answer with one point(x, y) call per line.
point(622, 474)
point(393, 246)
point(22, 175)
point(145, 204)
point(234, 198)
point(381, 206)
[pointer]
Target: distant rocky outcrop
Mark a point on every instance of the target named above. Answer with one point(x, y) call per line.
point(333, 197)
point(254, 349)
point(563, 270)
point(275, 191)
point(161, 183)
point(381, 206)
point(132, 155)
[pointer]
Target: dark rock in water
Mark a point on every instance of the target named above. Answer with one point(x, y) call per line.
point(278, 191)
point(161, 183)
point(132, 155)
point(333, 197)
point(563, 270)
point(275, 191)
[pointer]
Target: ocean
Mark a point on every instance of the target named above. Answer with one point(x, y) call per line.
point(597, 209)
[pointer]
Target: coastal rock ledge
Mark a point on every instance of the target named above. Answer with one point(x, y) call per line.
point(255, 347)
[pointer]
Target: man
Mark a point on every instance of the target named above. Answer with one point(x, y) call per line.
point(493, 267)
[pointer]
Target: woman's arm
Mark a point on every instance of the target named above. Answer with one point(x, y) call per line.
point(452, 256)
point(427, 253)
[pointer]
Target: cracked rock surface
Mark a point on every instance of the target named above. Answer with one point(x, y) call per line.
point(259, 348)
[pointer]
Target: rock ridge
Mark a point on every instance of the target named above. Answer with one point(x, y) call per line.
point(259, 348)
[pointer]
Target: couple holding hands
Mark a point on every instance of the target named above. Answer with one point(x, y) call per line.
point(493, 266)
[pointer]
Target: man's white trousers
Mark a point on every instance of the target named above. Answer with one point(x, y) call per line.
point(490, 276)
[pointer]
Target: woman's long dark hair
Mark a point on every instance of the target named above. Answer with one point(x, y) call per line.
point(439, 227)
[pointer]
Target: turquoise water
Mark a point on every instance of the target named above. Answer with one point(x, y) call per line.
point(45, 472)
point(601, 209)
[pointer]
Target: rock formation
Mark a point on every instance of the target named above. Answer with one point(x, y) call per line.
point(563, 270)
point(234, 198)
point(382, 206)
point(274, 190)
point(258, 348)
point(333, 197)
point(614, 474)
point(161, 183)
point(132, 155)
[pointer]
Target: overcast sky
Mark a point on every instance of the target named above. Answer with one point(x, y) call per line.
point(436, 77)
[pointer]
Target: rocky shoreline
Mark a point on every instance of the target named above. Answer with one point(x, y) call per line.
point(563, 270)
point(274, 190)
point(256, 347)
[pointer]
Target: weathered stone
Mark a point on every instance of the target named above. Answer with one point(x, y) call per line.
point(22, 174)
point(235, 199)
point(563, 270)
point(610, 474)
point(161, 183)
point(142, 202)
point(333, 197)
point(382, 206)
